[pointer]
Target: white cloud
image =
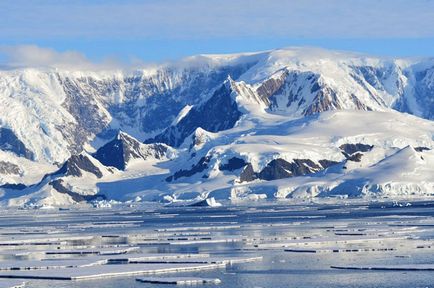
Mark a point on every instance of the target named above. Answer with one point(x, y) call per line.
point(35, 56)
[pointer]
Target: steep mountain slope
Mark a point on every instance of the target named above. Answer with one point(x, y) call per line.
point(236, 124)
point(56, 113)
point(123, 149)
point(77, 179)
point(220, 112)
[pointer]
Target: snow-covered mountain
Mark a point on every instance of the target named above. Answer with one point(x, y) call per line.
point(296, 122)
point(124, 149)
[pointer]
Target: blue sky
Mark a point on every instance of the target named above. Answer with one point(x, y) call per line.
point(159, 30)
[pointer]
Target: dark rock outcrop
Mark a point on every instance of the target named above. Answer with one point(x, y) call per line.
point(327, 163)
point(279, 169)
point(76, 164)
point(10, 142)
point(291, 88)
point(288, 87)
point(421, 149)
point(200, 166)
point(356, 157)
point(59, 186)
point(118, 152)
point(353, 148)
point(272, 86)
point(218, 113)
point(248, 174)
point(325, 100)
point(9, 168)
point(354, 152)
point(233, 164)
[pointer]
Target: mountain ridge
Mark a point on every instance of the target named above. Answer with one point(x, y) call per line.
point(209, 109)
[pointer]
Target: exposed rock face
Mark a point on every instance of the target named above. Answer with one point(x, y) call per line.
point(219, 113)
point(233, 164)
point(78, 163)
point(60, 187)
point(248, 174)
point(272, 86)
point(293, 88)
point(288, 91)
point(421, 149)
point(327, 163)
point(86, 110)
point(354, 152)
point(10, 142)
point(325, 100)
point(306, 93)
point(353, 148)
point(10, 168)
point(356, 157)
point(200, 166)
point(118, 152)
point(279, 169)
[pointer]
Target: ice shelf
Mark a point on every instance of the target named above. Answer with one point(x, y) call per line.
point(404, 267)
point(106, 271)
point(179, 280)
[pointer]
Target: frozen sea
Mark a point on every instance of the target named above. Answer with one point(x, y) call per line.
point(299, 242)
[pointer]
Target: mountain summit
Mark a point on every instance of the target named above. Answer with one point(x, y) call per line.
point(123, 149)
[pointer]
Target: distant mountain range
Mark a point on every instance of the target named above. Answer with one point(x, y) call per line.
point(296, 122)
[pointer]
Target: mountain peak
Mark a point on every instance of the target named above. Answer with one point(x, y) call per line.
point(76, 164)
point(124, 136)
point(124, 148)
